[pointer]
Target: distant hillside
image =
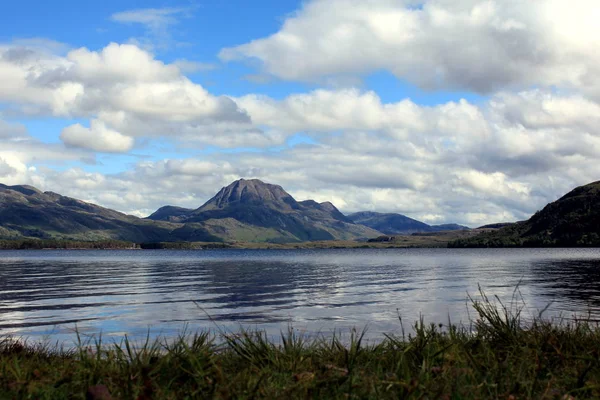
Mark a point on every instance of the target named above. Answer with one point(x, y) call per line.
point(450, 227)
point(170, 213)
point(398, 224)
point(27, 212)
point(572, 220)
point(252, 210)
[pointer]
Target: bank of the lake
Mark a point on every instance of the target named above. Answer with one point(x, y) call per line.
point(498, 356)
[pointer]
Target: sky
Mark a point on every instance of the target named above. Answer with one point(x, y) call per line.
point(465, 111)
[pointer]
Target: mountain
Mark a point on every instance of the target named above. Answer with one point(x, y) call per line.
point(28, 212)
point(398, 224)
point(572, 220)
point(390, 224)
point(252, 210)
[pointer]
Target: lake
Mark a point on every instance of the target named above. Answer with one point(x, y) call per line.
point(48, 294)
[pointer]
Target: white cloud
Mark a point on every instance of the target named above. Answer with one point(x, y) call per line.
point(156, 21)
point(6, 169)
point(119, 78)
point(517, 134)
point(117, 64)
point(152, 17)
point(19, 152)
point(126, 89)
point(478, 45)
point(97, 137)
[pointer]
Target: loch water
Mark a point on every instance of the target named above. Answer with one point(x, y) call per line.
point(49, 294)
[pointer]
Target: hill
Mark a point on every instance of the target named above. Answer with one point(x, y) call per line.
point(573, 220)
point(28, 212)
point(252, 210)
point(170, 213)
point(398, 224)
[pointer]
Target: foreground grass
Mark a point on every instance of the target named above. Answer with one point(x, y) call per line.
point(500, 356)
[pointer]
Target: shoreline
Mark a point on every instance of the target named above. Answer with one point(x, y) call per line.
point(66, 245)
point(499, 355)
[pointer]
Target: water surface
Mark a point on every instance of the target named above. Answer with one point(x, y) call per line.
point(50, 293)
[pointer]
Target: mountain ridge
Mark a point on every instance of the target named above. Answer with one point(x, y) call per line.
point(398, 224)
point(270, 207)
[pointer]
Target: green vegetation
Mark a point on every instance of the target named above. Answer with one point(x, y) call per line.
point(436, 239)
point(500, 356)
point(183, 246)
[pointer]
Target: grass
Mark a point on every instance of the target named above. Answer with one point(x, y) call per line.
point(499, 356)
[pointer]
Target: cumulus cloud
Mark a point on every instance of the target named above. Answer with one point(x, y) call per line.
point(122, 88)
point(477, 45)
point(97, 137)
point(118, 78)
point(514, 133)
point(19, 153)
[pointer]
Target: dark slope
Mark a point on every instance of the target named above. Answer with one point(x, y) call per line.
point(450, 227)
point(390, 224)
point(572, 220)
point(27, 212)
point(398, 224)
point(170, 213)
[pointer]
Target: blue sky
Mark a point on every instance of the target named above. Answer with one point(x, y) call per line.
point(481, 115)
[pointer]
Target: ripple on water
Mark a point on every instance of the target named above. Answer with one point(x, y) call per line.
point(116, 292)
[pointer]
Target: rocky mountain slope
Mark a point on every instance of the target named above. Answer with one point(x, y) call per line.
point(259, 211)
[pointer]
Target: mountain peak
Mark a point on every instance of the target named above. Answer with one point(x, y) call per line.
point(250, 191)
